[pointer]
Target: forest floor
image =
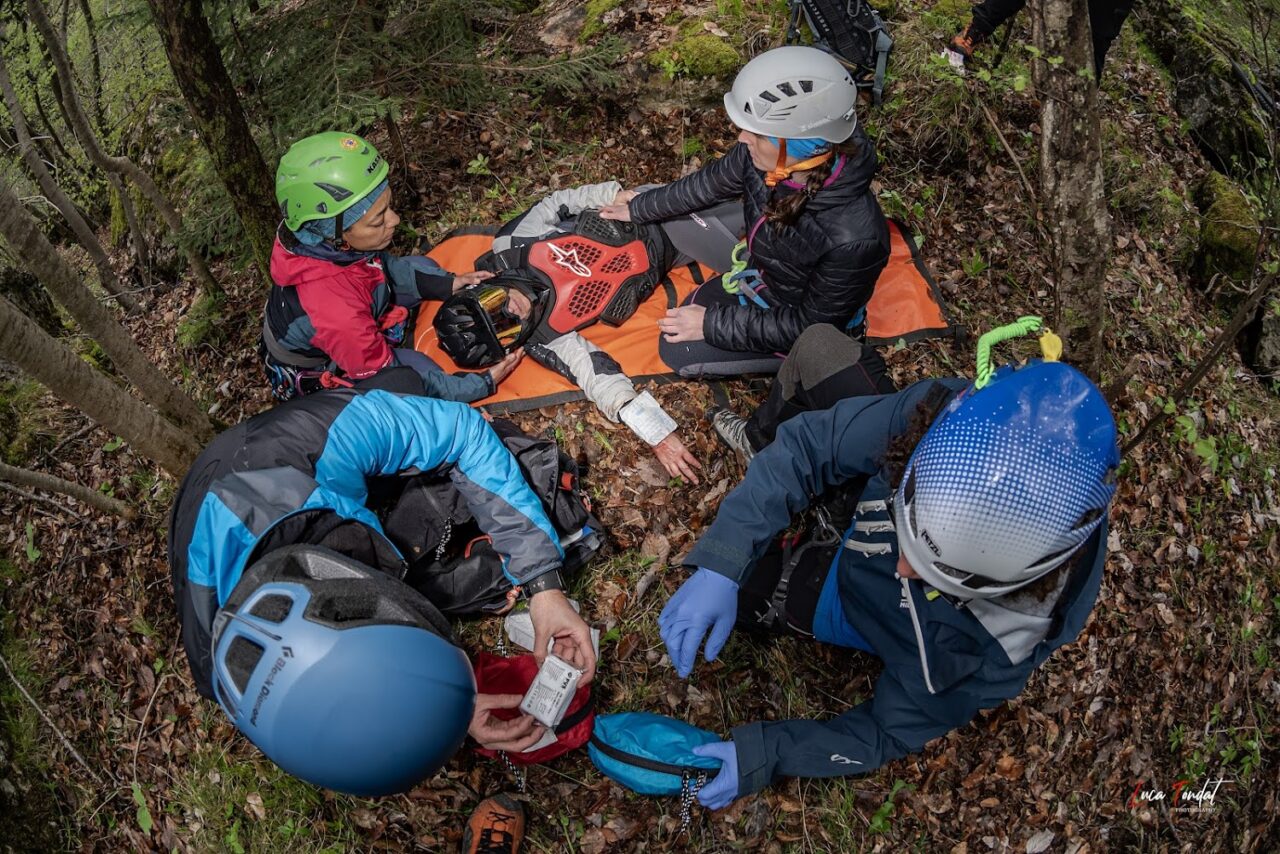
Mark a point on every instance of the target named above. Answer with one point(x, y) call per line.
point(1173, 678)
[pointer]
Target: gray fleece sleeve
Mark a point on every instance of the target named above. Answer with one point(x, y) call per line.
point(545, 215)
point(590, 368)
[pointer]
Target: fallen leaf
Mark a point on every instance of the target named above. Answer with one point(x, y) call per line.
point(1009, 768)
point(627, 646)
point(1040, 842)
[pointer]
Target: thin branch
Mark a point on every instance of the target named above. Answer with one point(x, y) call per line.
point(1244, 314)
point(142, 726)
point(76, 436)
point(50, 483)
point(31, 496)
point(66, 742)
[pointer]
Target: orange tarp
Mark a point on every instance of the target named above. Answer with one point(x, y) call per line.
point(905, 305)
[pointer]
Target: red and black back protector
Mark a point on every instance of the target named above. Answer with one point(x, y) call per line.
point(602, 270)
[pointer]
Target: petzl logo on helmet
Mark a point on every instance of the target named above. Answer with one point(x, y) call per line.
point(933, 547)
point(568, 258)
point(349, 143)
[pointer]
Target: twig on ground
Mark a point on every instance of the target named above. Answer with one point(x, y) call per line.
point(31, 496)
point(1031, 194)
point(66, 742)
point(1243, 315)
point(61, 486)
point(74, 437)
point(142, 726)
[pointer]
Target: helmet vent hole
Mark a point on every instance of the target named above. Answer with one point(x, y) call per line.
point(1088, 518)
point(1052, 559)
point(770, 97)
point(349, 608)
point(806, 86)
point(274, 608)
point(338, 193)
point(242, 656)
point(787, 89)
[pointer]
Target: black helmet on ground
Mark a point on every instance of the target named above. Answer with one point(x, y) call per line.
point(477, 326)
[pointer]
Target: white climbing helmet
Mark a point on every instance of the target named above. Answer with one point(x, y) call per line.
point(794, 92)
point(1009, 482)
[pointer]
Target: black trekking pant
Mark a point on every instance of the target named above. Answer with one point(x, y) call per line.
point(1105, 18)
point(824, 367)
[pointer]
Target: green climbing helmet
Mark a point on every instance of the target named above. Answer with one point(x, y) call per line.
point(324, 174)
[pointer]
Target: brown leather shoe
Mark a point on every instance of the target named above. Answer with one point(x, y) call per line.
point(496, 826)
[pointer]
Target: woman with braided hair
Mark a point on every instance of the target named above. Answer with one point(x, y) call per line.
point(815, 237)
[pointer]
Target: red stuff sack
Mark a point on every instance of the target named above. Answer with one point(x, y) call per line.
point(498, 675)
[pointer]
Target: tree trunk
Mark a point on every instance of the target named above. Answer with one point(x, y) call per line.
point(120, 165)
point(38, 255)
point(68, 376)
point(84, 233)
point(83, 494)
point(95, 64)
point(1073, 204)
point(48, 122)
point(141, 252)
point(215, 107)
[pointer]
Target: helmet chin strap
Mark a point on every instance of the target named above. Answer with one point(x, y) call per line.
point(781, 171)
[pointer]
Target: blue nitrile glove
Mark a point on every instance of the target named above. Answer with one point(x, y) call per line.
point(708, 600)
point(723, 788)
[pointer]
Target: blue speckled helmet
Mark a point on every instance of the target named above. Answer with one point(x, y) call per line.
point(1009, 482)
point(342, 675)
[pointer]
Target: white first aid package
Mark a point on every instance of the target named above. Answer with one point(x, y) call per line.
point(551, 692)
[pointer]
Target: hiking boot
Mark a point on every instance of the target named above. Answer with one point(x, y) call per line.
point(963, 44)
point(967, 41)
point(496, 827)
point(732, 430)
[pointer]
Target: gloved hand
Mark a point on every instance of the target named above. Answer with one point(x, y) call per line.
point(708, 600)
point(723, 788)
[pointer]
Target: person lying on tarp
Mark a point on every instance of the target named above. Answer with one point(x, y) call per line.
point(295, 610)
point(975, 550)
point(816, 239)
point(562, 268)
point(339, 302)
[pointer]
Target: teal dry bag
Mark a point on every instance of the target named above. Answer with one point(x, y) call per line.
point(652, 754)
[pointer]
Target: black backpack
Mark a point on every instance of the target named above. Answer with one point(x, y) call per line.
point(851, 31)
point(451, 561)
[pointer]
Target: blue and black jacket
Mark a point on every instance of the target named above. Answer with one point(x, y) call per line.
point(297, 473)
point(943, 660)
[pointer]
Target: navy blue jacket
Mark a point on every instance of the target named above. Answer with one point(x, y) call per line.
point(297, 473)
point(943, 662)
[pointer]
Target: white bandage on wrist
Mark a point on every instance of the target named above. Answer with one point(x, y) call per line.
point(646, 417)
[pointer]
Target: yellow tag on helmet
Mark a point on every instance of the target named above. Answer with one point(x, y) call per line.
point(1050, 346)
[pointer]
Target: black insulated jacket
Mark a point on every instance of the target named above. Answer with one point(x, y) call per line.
point(821, 269)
